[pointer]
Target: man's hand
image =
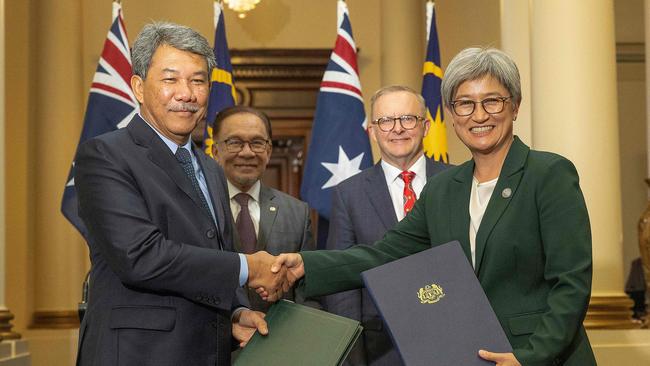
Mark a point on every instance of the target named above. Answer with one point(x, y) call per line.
point(260, 275)
point(245, 323)
point(295, 269)
point(501, 359)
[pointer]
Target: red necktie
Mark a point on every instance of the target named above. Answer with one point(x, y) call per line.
point(409, 193)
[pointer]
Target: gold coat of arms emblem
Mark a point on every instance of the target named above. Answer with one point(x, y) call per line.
point(430, 294)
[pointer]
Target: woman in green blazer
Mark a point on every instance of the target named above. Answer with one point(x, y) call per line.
point(519, 215)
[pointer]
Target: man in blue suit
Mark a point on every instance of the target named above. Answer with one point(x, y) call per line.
point(368, 204)
point(165, 283)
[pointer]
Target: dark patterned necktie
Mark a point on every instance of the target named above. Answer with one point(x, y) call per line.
point(409, 193)
point(184, 158)
point(244, 223)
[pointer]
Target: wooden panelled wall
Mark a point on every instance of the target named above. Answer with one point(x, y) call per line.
point(284, 84)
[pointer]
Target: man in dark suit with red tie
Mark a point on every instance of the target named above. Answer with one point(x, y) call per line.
point(368, 204)
point(164, 279)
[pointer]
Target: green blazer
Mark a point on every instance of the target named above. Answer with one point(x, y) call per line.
point(533, 251)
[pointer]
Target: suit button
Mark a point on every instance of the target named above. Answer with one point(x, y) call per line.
point(217, 301)
point(210, 233)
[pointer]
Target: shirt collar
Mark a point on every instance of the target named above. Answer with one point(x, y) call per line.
point(170, 144)
point(392, 172)
point(254, 192)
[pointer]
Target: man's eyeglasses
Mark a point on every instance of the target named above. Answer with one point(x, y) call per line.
point(237, 145)
point(491, 105)
point(407, 121)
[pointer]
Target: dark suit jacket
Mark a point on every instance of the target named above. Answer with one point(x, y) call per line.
point(362, 212)
point(285, 227)
point(533, 251)
point(161, 290)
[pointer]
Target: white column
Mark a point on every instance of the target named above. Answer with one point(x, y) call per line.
point(515, 40)
point(575, 114)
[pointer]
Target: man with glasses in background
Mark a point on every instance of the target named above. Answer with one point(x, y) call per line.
point(368, 204)
point(265, 218)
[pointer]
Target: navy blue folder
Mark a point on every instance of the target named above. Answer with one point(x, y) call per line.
point(435, 308)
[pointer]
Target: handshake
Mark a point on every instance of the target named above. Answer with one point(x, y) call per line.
point(273, 276)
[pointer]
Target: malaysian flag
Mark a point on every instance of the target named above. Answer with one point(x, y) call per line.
point(435, 141)
point(339, 146)
point(111, 103)
point(222, 91)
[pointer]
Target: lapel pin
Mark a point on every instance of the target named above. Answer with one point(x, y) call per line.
point(506, 193)
point(272, 208)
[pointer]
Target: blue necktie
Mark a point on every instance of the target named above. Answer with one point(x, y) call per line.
point(184, 158)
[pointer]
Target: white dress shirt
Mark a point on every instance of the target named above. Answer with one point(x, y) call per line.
point(478, 201)
point(396, 184)
point(253, 203)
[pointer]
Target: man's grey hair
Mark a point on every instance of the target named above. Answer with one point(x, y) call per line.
point(394, 89)
point(156, 34)
point(475, 63)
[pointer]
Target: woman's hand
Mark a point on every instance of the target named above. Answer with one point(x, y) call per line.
point(501, 359)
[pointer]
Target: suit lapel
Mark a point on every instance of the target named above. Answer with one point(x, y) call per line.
point(379, 196)
point(162, 156)
point(428, 166)
point(505, 189)
point(268, 213)
point(458, 203)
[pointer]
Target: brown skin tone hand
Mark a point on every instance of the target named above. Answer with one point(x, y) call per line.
point(260, 275)
point(245, 323)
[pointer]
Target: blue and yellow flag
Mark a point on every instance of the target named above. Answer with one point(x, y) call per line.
point(435, 142)
point(222, 90)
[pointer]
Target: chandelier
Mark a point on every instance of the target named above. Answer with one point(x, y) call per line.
point(241, 6)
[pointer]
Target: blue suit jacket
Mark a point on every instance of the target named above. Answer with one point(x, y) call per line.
point(161, 290)
point(362, 212)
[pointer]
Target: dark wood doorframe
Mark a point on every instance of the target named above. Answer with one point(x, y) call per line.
point(284, 84)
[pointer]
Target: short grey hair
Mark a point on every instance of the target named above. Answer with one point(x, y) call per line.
point(395, 89)
point(475, 63)
point(156, 34)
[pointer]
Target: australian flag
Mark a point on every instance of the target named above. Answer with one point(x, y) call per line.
point(222, 91)
point(111, 103)
point(339, 146)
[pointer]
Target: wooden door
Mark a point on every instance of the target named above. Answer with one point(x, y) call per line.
point(284, 84)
